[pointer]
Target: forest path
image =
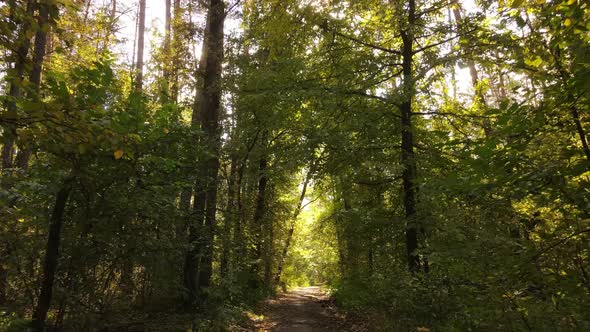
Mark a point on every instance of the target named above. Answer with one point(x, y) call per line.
point(304, 309)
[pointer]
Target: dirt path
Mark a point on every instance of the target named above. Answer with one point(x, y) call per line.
point(301, 310)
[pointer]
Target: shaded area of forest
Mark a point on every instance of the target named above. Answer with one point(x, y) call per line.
point(427, 160)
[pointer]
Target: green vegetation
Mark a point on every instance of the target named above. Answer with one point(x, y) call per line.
point(427, 160)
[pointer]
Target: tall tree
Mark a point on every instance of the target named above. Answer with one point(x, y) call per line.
point(138, 80)
point(51, 258)
point(407, 144)
point(259, 212)
point(40, 47)
point(209, 112)
point(19, 57)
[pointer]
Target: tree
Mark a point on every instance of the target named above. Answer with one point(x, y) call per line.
point(205, 206)
point(140, 46)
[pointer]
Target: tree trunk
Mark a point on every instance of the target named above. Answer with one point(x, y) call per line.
point(192, 254)
point(580, 129)
point(259, 213)
point(175, 51)
point(167, 54)
point(238, 238)
point(268, 253)
point(51, 259)
point(209, 109)
point(9, 130)
point(230, 215)
point(20, 58)
point(23, 156)
point(184, 206)
point(167, 27)
point(407, 145)
point(195, 227)
point(140, 44)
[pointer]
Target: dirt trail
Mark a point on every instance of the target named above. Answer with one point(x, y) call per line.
point(301, 310)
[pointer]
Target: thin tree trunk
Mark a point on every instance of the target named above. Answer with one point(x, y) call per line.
point(407, 145)
point(113, 10)
point(51, 258)
point(40, 48)
point(167, 27)
point(580, 129)
point(23, 156)
point(285, 251)
point(259, 213)
point(184, 206)
point(268, 253)
point(140, 46)
point(230, 216)
point(167, 53)
point(175, 51)
point(238, 237)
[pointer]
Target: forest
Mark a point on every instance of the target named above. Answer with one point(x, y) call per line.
point(171, 165)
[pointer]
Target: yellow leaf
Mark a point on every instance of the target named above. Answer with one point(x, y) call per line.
point(567, 22)
point(166, 131)
point(21, 220)
point(118, 154)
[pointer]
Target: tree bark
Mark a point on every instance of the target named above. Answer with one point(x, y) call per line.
point(209, 109)
point(407, 145)
point(238, 238)
point(140, 46)
point(167, 53)
point(259, 213)
point(230, 216)
point(167, 27)
point(193, 254)
point(23, 156)
point(51, 258)
point(580, 129)
point(175, 51)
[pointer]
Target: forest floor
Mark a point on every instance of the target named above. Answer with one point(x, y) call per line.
point(305, 309)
